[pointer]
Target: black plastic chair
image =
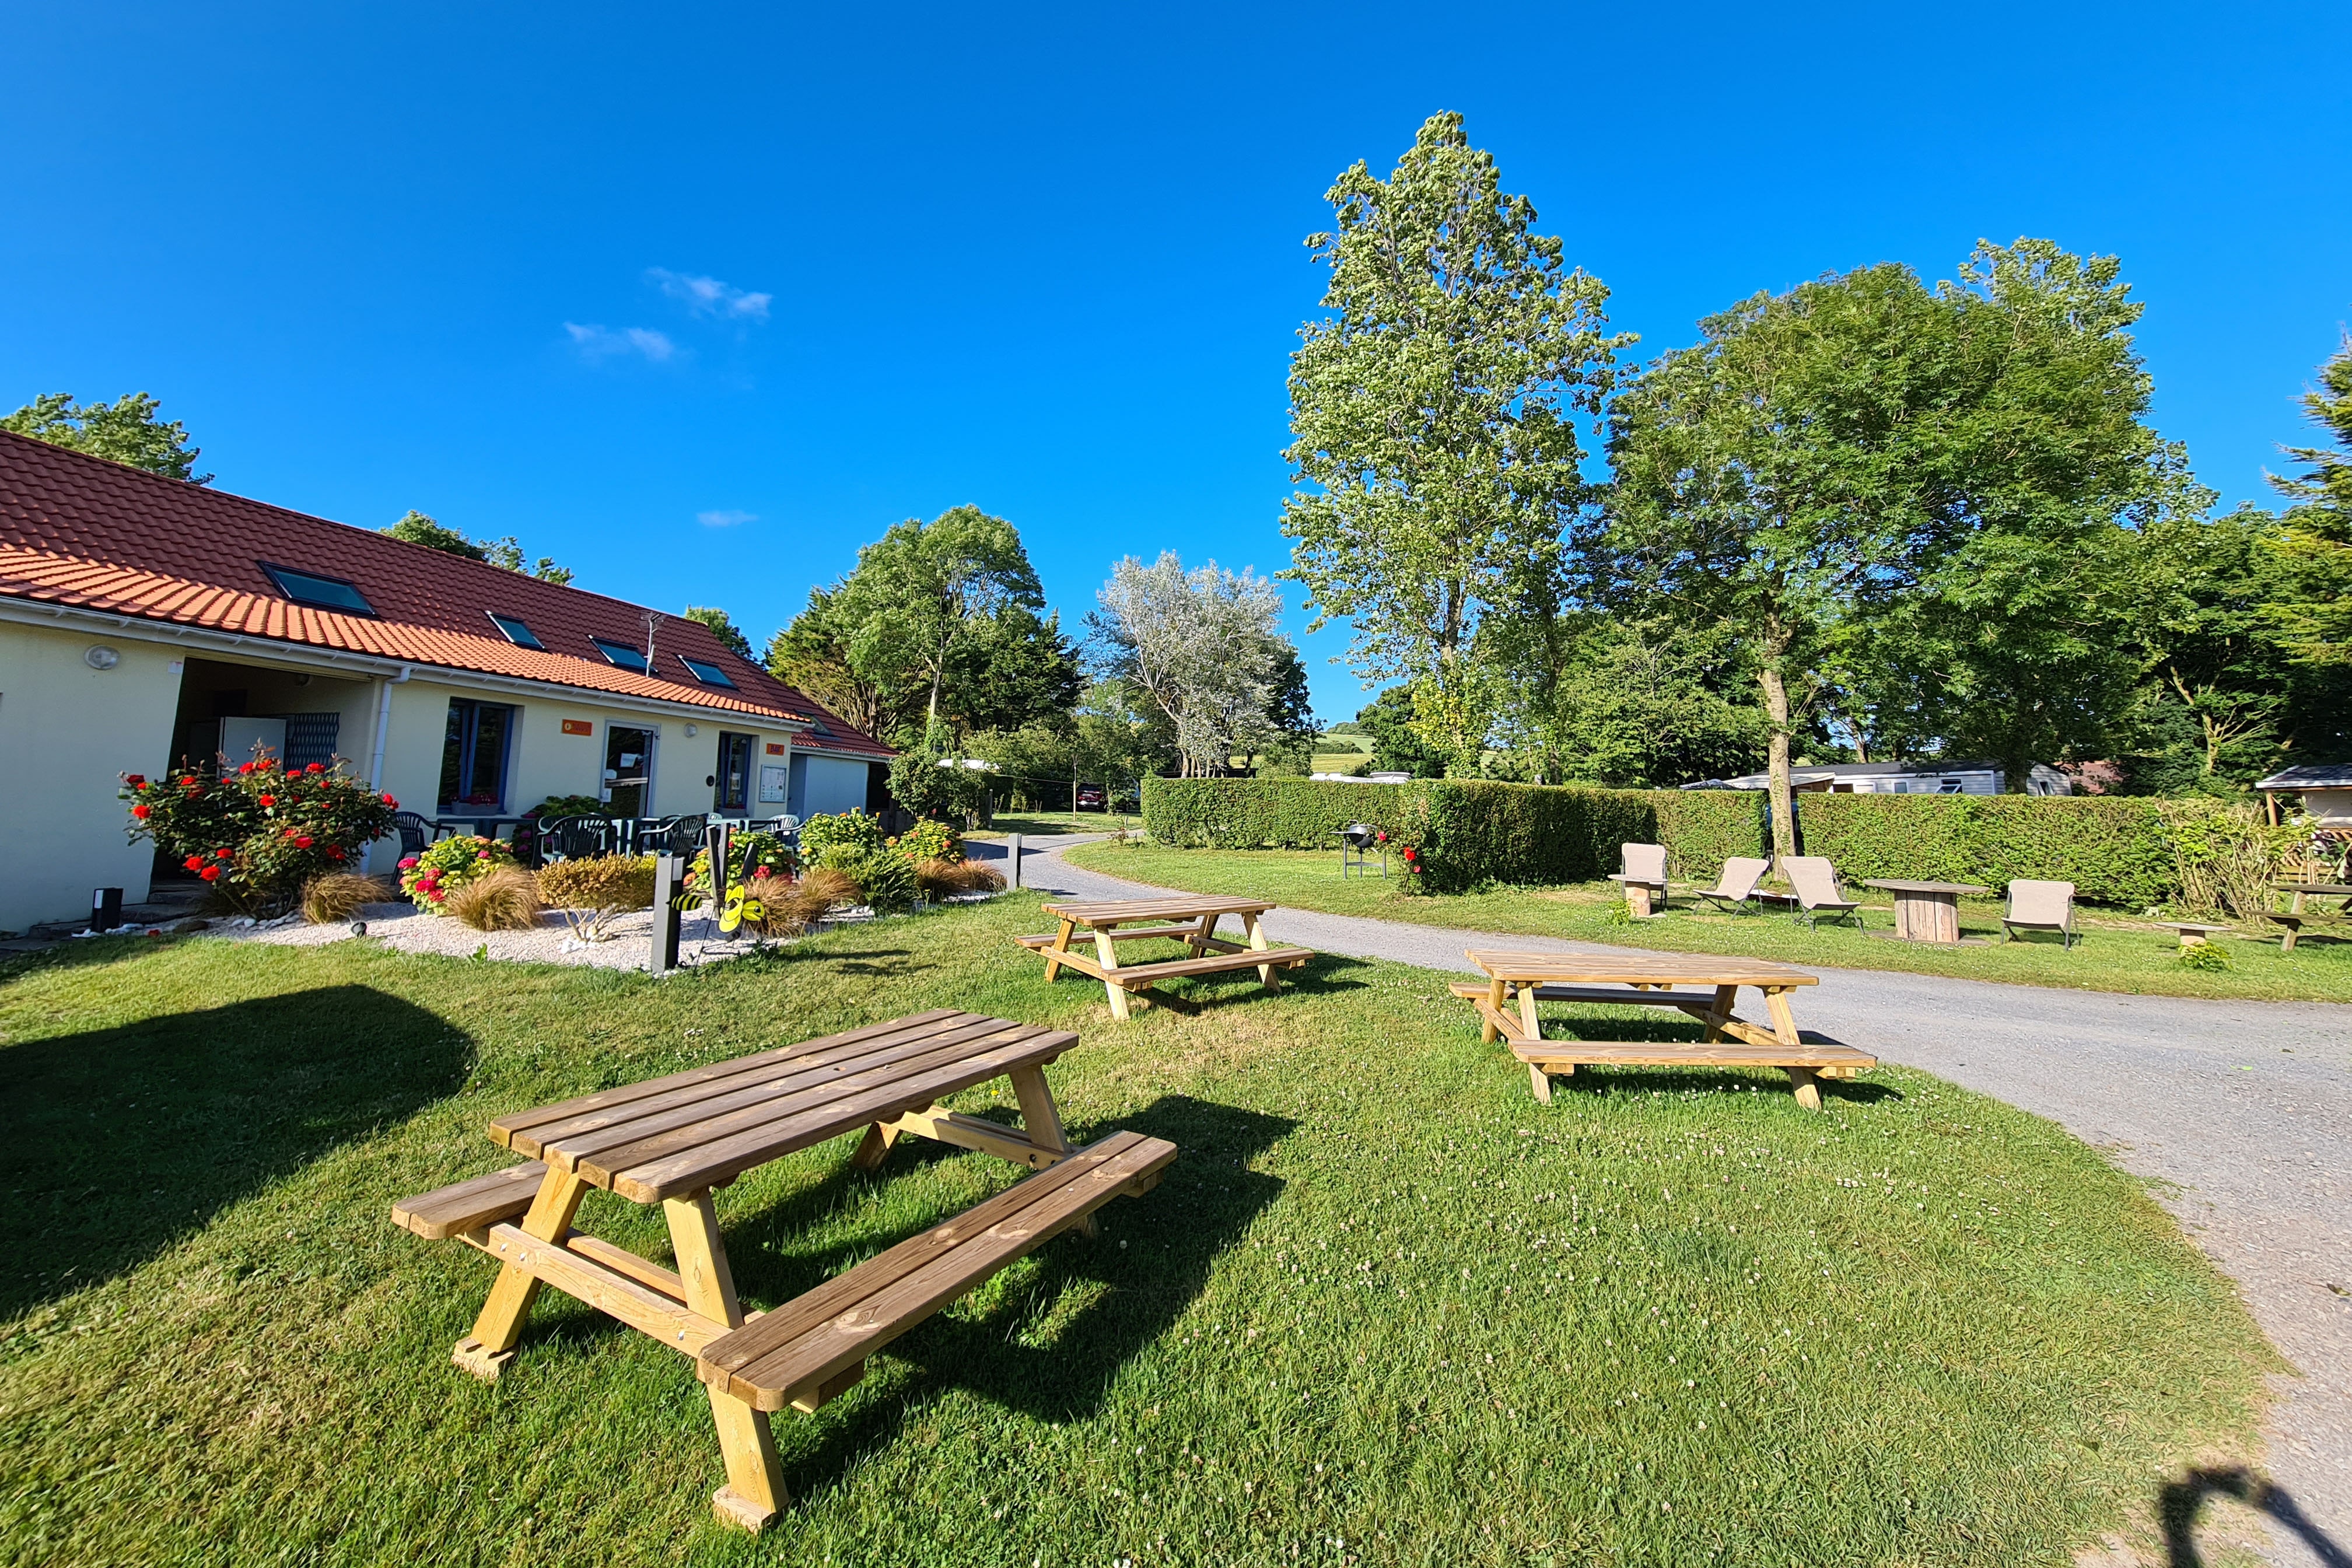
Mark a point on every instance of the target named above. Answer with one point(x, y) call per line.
point(415, 832)
point(575, 838)
point(671, 834)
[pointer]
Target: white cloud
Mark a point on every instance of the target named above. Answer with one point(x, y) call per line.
point(725, 519)
point(710, 297)
point(597, 343)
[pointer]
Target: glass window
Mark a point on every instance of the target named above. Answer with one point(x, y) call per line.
point(516, 632)
point(708, 674)
point(474, 755)
point(732, 792)
point(621, 654)
point(321, 593)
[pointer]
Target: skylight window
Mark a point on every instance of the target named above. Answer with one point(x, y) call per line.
point(708, 674)
point(320, 593)
point(517, 633)
point(621, 654)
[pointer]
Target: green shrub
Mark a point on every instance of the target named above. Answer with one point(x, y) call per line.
point(885, 880)
point(820, 835)
point(928, 841)
point(1702, 828)
point(2204, 955)
point(598, 882)
point(2115, 849)
point(1251, 813)
point(1470, 831)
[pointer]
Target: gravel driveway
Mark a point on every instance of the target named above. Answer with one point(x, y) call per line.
point(2240, 1113)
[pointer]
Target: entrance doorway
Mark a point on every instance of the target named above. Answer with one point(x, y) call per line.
point(628, 769)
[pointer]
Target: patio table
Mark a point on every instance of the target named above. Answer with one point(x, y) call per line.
point(675, 1141)
point(1524, 979)
point(1187, 919)
point(1927, 911)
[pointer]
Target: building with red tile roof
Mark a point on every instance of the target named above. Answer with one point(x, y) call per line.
point(145, 620)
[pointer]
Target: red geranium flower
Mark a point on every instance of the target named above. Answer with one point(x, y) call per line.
point(268, 799)
point(389, 802)
point(210, 873)
point(303, 842)
point(136, 781)
point(245, 767)
point(334, 851)
point(316, 768)
point(220, 853)
point(193, 863)
point(140, 812)
point(408, 863)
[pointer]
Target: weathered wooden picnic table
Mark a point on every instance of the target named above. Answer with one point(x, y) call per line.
point(1186, 918)
point(2296, 917)
point(1650, 980)
point(675, 1141)
point(1926, 911)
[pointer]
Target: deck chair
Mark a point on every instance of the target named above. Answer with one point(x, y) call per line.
point(2039, 906)
point(1816, 892)
point(1734, 890)
point(1644, 875)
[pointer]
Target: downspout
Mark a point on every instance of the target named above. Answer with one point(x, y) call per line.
point(383, 728)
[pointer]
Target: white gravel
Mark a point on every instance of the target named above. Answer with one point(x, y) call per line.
point(407, 929)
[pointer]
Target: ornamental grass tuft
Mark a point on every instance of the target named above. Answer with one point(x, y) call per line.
point(504, 899)
point(940, 879)
point(337, 895)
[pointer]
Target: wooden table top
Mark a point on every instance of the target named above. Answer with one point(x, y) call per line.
point(1896, 885)
point(670, 1136)
point(2324, 889)
point(1182, 906)
point(1634, 969)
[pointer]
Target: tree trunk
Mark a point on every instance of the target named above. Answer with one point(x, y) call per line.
point(1776, 715)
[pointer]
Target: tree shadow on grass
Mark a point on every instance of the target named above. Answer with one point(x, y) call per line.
point(114, 1142)
point(2179, 1504)
point(1020, 1355)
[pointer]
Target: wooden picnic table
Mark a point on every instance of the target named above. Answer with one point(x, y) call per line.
point(1187, 917)
point(1650, 980)
point(675, 1141)
point(1927, 911)
point(2296, 917)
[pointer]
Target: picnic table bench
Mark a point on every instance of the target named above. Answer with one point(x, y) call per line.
point(1186, 918)
point(1650, 981)
point(674, 1141)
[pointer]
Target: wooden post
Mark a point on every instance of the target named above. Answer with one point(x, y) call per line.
point(1013, 863)
point(754, 1491)
point(670, 872)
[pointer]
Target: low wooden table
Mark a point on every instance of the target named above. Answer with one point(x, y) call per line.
point(1927, 911)
point(2296, 918)
point(1649, 980)
point(2192, 933)
point(1186, 918)
point(675, 1141)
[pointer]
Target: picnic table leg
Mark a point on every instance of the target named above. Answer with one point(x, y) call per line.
point(1061, 944)
point(1266, 972)
point(874, 1146)
point(1042, 1123)
point(754, 1491)
point(486, 1352)
point(1528, 1019)
point(1107, 951)
point(1726, 997)
point(1806, 1082)
point(1199, 941)
point(1494, 999)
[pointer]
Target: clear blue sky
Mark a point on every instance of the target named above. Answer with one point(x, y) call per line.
point(450, 258)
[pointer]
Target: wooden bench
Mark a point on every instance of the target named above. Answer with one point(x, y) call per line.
point(2297, 925)
point(812, 1348)
point(464, 1208)
point(1142, 976)
point(1187, 919)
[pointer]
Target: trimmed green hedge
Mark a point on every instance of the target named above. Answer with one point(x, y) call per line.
point(2115, 850)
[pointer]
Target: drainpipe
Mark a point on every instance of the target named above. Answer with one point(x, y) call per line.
point(382, 728)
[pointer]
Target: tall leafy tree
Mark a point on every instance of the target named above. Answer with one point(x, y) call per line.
point(1920, 489)
point(2314, 615)
point(1206, 648)
point(1397, 745)
point(923, 592)
point(415, 528)
point(1434, 414)
point(813, 653)
point(127, 431)
point(1016, 668)
point(722, 627)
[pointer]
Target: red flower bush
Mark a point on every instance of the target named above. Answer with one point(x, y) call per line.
point(258, 833)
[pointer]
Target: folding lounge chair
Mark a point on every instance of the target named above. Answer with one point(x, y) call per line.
point(2041, 906)
point(1816, 891)
point(1734, 890)
point(1644, 874)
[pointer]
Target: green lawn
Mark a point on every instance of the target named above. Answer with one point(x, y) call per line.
point(1043, 821)
point(1385, 1308)
point(2116, 954)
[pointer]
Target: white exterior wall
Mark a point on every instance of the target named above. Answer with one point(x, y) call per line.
point(69, 732)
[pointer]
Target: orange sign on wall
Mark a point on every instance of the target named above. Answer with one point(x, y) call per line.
point(775, 749)
point(579, 726)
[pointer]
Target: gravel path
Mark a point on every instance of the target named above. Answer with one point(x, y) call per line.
point(2239, 1113)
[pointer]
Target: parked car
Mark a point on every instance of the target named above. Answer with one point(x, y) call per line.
point(1090, 797)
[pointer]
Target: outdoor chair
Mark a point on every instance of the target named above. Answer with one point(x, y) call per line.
point(1644, 875)
point(1734, 890)
point(1815, 892)
point(671, 834)
point(415, 832)
point(2041, 906)
point(575, 839)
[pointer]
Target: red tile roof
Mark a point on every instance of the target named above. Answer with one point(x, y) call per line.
point(78, 531)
